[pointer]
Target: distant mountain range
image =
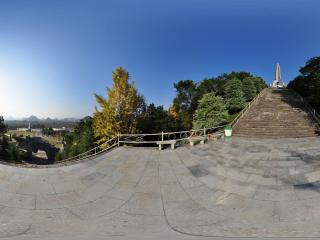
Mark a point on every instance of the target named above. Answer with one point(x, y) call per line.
point(35, 122)
point(33, 118)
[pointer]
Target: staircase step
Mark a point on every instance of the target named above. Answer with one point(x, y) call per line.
point(278, 113)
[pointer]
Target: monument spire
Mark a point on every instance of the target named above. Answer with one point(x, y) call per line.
point(278, 72)
point(278, 83)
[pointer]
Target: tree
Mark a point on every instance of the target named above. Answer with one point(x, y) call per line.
point(211, 112)
point(185, 102)
point(238, 75)
point(259, 83)
point(308, 83)
point(81, 140)
point(48, 131)
point(312, 67)
point(156, 119)
point(210, 85)
point(3, 142)
point(234, 95)
point(3, 127)
point(248, 89)
point(120, 112)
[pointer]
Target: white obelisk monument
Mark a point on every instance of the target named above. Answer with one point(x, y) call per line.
point(278, 83)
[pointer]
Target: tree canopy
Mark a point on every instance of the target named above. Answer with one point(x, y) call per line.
point(185, 102)
point(119, 113)
point(307, 84)
point(156, 119)
point(188, 94)
point(3, 126)
point(81, 140)
point(249, 89)
point(211, 112)
point(234, 95)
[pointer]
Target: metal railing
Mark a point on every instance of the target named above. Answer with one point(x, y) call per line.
point(153, 138)
point(246, 108)
point(111, 143)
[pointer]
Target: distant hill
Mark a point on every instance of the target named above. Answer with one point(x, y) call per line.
point(32, 118)
point(41, 123)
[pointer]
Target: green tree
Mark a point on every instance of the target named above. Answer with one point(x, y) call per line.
point(249, 89)
point(211, 85)
point(307, 84)
point(312, 67)
point(14, 153)
point(185, 102)
point(3, 127)
point(156, 119)
point(259, 83)
point(121, 111)
point(238, 75)
point(211, 112)
point(48, 131)
point(234, 95)
point(81, 140)
point(3, 130)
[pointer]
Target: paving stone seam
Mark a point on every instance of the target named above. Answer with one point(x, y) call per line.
point(131, 196)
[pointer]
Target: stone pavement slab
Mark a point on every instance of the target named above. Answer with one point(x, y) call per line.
point(243, 189)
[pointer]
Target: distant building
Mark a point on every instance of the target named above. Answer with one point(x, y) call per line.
point(59, 129)
point(28, 129)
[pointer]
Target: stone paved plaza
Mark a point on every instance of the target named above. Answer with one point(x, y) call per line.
point(242, 188)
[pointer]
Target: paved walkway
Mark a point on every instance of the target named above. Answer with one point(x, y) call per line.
point(241, 188)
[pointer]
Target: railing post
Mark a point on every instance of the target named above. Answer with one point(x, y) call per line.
point(162, 136)
point(204, 131)
point(118, 139)
point(95, 151)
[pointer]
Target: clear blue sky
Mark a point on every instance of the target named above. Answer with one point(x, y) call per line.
point(54, 55)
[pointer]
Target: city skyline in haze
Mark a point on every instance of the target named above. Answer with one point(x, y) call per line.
point(54, 55)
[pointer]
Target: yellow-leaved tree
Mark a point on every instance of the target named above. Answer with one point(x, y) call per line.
point(120, 112)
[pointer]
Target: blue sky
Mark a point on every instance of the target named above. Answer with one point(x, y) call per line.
point(54, 55)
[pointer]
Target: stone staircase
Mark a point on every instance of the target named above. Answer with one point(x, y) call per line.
point(278, 113)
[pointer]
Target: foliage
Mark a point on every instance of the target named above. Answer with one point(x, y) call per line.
point(185, 102)
point(211, 112)
point(215, 85)
point(81, 140)
point(3, 142)
point(312, 67)
point(238, 75)
point(48, 131)
point(249, 89)
point(14, 153)
point(308, 83)
point(156, 119)
point(259, 83)
point(228, 127)
point(122, 109)
point(234, 95)
point(188, 94)
point(11, 152)
point(3, 127)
